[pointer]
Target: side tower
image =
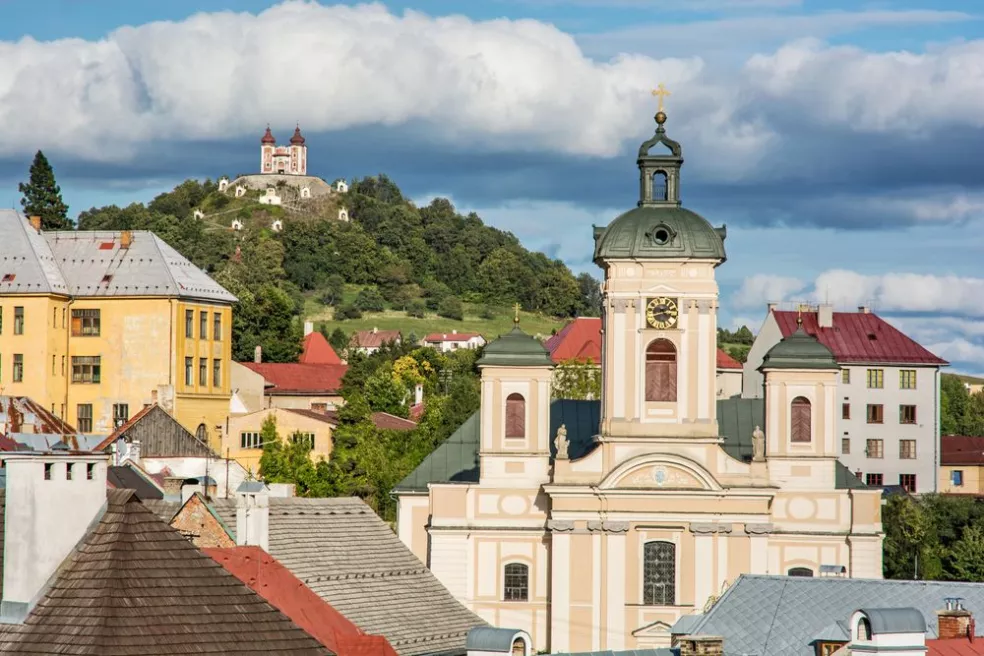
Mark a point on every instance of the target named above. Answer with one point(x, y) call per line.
point(660, 303)
point(267, 145)
point(298, 153)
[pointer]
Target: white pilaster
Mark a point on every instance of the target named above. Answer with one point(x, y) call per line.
point(704, 383)
point(619, 402)
point(596, 625)
point(615, 580)
point(760, 554)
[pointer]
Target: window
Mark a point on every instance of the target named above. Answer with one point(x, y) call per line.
point(661, 371)
point(876, 378)
point(121, 414)
point(846, 376)
point(874, 480)
point(216, 373)
point(907, 414)
point(63, 366)
point(202, 433)
point(84, 414)
point(875, 449)
point(86, 368)
point(189, 323)
point(216, 326)
point(519, 647)
point(64, 315)
point(18, 320)
point(864, 629)
point(659, 186)
point(54, 362)
point(90, 471)
point(203, 372)
point(303, 438)
point(659, 574)
point(1, 320)
point(203, 325)
point(956, 477)
point(47, 471)
point(85, 323)
point(515, 416)
point(249, 440)
point(845, 410)
point(828, 648)
point(800, 420)
point(68, 471)
point(516, 582)
point(800, 571)
point(876, 413)
point(907, 482)
point(54, 317)
point(18, 367)
point(319, 407)
point(845, 445)
point(907, 449)
point(189, 372)
point(907, 379)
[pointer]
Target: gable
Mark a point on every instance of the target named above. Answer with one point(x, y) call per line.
point(198, 522)
point(160, 436)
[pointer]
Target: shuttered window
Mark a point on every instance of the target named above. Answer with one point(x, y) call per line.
point(515, 416)
point(800, 420)
point(661, 371)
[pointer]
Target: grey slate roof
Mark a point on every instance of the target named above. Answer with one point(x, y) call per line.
point(92, 263)
point(666, 651)
point(782, 615)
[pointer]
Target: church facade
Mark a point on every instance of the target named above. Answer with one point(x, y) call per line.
point(283, 160)
point(597, 525)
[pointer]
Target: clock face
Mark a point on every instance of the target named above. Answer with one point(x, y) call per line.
point(661, 312)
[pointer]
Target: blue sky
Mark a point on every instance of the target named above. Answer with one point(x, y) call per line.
point(841, 142)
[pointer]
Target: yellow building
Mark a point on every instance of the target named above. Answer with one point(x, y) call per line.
point(96, 325)
point(242, 441)
point(962, 465)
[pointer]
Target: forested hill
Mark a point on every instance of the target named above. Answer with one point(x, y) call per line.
point(411, 257)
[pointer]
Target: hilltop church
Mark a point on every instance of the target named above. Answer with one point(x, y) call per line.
point(597, 525)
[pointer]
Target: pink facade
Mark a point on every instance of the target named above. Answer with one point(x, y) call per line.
point(283, 160)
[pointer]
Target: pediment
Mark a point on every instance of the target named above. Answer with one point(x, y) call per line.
point(657, 629)
point(663, 289)
point(661, 475)
point(660, 471)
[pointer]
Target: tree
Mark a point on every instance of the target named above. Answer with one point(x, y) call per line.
point(590, 295)
point(577, 380)
point(967, 556)
point(739, 352)
point(42, 196)
point(334, 289)
point(370, 300)
point(417, 309)
point(339, 340)
point(451, 308)
point(343, 312)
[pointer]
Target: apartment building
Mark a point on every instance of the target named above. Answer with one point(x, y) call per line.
point(888, 393)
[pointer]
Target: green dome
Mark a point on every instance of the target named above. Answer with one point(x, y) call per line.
point(799, 351)
point(661, 231)
point(515, 349)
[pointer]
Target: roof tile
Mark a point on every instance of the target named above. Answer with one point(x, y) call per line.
point(294, 378)
point(317, 350)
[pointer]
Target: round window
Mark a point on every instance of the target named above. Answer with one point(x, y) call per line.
point(661, 235)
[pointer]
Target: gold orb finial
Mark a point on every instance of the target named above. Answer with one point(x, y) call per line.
point(516, 309)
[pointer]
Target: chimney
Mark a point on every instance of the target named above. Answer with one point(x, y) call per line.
point(172, 487)
point(258, 354)
point(308, 328)
point(954, 620)
point(153, 397)
point(253, 515)
point(36, 223)
point(126, 238)
point(41, 527)
point(281, 490)
point(454, 332)
point(864, 309)
point(773, 307)
point(701, 645)
point(825, 315)
point(418, 394)
point(375, 330)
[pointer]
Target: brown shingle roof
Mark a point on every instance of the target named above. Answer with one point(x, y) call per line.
point(135, 586)
point(373, 338)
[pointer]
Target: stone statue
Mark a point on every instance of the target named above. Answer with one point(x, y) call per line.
point(758, 445)
point(561, 442)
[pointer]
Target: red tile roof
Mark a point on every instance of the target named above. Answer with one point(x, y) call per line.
point(579, 340)
point(374, 338)
point(449, 337)
point(263, 574)
point(725, 361)
point(860, 337)
point(299, 379)
point(317, 415)
point(961, 450)
point(955, 647)
point(387, 421)
point(317, 350)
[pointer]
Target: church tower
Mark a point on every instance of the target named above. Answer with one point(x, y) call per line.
point(660, 301)
point(268, 145)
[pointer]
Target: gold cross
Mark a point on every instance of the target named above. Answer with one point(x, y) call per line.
point(661, 91)
point(516, 318)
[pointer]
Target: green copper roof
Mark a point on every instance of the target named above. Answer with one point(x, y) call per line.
point(799, 351)
point(662, 231)
point(516, 349)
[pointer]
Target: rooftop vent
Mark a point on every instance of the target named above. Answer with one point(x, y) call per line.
point(108, 278)
point(106, 246)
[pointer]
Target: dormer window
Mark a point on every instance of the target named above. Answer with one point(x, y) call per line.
point(864, 629)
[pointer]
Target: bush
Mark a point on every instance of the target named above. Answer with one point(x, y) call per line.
point(489, 312)
point(417, 309)
point(370, 300)
point(343, 312)
point(451, 308)
point(334, 290)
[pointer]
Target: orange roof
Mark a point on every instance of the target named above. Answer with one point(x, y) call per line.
point(317, 350)
point(955, 647)
point(264, 575)
point(725, 361)
point(387, 421)
point(579, 340)
point(299, 379)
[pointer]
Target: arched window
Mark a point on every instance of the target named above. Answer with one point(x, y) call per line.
point(800, 571)
point(659, 574)
point(659, 185)
point(519, 647)
point(202, 433)
point(864, 629)
point(516, 582)
point(661, 371)
point(800, 420)
point(515, 415)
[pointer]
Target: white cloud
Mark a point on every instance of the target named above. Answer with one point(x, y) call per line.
point(758, 290)
point(959, 350)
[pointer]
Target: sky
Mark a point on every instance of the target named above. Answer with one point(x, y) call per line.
point(842, 143)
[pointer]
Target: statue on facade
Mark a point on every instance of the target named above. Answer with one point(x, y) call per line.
point(758, 445)
point(561, 442)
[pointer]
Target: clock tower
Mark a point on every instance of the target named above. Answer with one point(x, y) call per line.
point(660, 307)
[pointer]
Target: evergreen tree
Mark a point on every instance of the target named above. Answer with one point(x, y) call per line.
point(42, 196)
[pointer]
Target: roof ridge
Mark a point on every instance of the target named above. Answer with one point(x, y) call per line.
point(167, 265)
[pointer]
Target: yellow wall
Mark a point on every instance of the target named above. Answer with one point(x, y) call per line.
point(287, 423)
point(973, 477)
point(141, 345)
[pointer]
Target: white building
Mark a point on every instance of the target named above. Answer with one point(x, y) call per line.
point(285, 160)
point(453, 341)
point(888, 393)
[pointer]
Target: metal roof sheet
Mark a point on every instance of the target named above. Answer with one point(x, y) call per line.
point(27, 265)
